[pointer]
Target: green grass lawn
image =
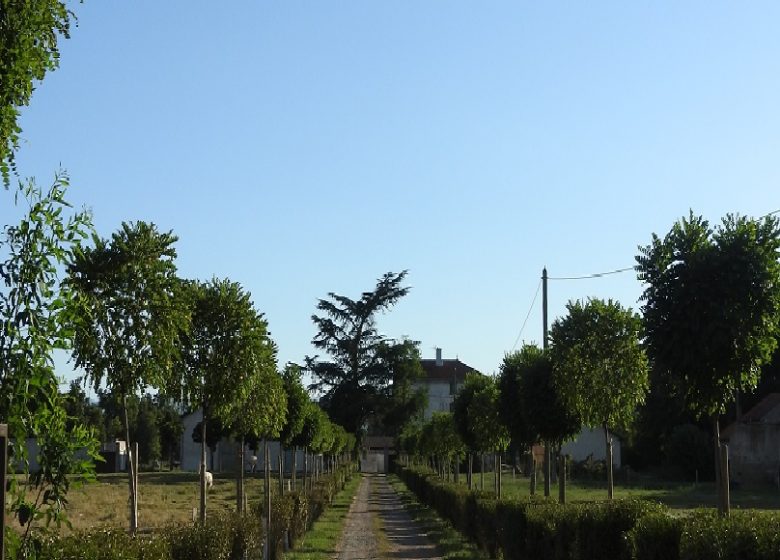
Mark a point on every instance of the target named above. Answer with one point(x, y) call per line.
point(677, 495)
point(321, 541)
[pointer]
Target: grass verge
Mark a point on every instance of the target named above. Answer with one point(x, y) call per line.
point(451, 544)
point(321, 540)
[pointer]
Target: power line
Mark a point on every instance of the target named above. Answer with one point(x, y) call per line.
point(594, 275)
point(626, 269)
point(531, 308)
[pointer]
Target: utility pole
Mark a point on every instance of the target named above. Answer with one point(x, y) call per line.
point(546, 465)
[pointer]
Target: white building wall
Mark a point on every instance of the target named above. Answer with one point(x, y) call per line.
point(440, 396)
point(591, 443)
point(226, 453)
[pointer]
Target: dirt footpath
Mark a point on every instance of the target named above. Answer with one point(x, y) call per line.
point(378, 527)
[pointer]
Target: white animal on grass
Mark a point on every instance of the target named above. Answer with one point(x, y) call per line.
point(209, 479)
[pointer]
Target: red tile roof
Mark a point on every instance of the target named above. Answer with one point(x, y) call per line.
point(447, 371)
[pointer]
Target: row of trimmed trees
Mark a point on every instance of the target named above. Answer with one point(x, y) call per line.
point(203, 345)
point(710, 319)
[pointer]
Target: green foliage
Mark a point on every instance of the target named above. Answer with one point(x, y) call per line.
point(29, 34)
point(83, 412)
point(530, 401)
point(400, 401)
point(171, 429)
point(439, 437)
point(357, 378)
point(747, 535)
point(226, 353)
point(484, 419)
point(473, 383)
point(689, 448)
point(656, 537)
point(130, 313)
point(297, 403)
point(34, 309)
point(520, 530)
point(599, 367)
point(712, 306)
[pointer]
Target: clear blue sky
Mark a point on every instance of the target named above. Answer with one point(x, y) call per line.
point(307, 147)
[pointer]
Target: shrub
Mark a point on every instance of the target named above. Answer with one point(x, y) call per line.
point(656, 537)
point(746, 535)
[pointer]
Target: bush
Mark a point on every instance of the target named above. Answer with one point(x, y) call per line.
point(656, 537)
point(746, 535)
point(518, 530)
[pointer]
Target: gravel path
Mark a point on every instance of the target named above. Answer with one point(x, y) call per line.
point(378, 516)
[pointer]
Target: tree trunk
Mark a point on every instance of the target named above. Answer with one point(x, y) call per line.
point(305, 466)
point(281, 468)
point(561, 477)
point(724, 466)
point(267, 485)
point(532, 474)
point(482, 471)
point(546, 469)
point(498, 476)
point(294, 465)
point(720, 475)
point(203, 468)
point(130, 472)
point(470, 475)
point(610, 481)
point(240, 485)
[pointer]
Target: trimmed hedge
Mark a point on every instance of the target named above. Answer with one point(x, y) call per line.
point(616, 530)
point(295, 512)
point(222, 537)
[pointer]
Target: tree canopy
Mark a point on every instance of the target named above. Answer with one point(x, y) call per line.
point(530, 401)
point(599, 366)
point(361, 368)
point(712, 306)
point(29, 48)
point(600, 369)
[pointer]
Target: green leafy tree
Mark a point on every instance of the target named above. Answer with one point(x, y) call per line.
point(147, 432)
point(485, 421)
point(439, 438)
point(530, 400)
point(262, 414)
point(712, 307)
point(297, 403)
point(460, 416)
point(355, 380)
point(29, 34)
point(128, 316)
point(34, 308)
point(225, 350)
point(82, 412)
point(599, 367)
point(171, 429)
point(402, 401)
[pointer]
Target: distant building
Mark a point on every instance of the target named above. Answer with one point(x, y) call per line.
point(442, 379)
point(592, 444)
point(224, 458)
point(754, 443)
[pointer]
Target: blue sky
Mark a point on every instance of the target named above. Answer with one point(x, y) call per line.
point(307, 147)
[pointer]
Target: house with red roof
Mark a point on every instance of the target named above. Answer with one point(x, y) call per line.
point(442, 379)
